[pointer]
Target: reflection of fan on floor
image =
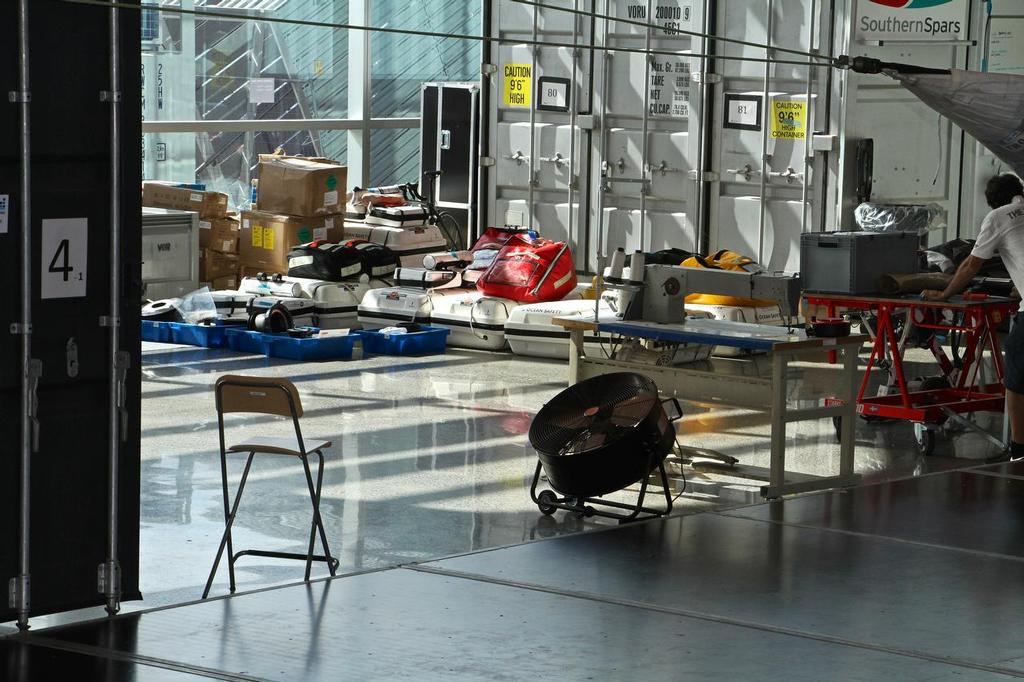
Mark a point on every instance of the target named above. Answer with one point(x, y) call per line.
point(600, 436)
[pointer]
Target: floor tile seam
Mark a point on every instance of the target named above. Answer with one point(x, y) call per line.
point(875, 536)
point(996, 474)
point(721, 620)
point(125, 657)
point(196, 602)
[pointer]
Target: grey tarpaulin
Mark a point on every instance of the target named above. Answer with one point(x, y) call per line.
point(988, 106)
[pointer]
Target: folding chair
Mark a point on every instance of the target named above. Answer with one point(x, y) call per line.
point(259, 395)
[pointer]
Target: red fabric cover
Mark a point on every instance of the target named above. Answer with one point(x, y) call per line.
point(518, 272)
point(496, 237)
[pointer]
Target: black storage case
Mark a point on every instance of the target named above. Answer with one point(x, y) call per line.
point(449, 142)
point(70, 174)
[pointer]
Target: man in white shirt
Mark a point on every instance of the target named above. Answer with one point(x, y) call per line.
point(1002, 231)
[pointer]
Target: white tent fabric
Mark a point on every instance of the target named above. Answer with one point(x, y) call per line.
point(989, 106)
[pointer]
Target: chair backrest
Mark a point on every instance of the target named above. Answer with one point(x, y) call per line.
point(263, 395)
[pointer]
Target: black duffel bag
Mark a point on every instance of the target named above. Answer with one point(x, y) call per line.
point(324, 261)
point(378, 261)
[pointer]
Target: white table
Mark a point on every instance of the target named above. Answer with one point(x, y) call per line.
point(767, 394)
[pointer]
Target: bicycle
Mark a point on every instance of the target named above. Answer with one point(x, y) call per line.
point(446, 222)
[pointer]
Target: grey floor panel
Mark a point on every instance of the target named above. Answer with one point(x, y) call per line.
point(403, 624)
point(962, 510)
point(868, 590)
point(21, 662)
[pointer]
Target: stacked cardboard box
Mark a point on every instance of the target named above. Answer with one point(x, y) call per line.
point(218, 230)
point(299, 200)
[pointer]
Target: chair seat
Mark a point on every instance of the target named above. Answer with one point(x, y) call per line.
point(278, 446)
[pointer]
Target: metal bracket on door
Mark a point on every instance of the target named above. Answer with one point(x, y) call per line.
point(557, 159)
point(789, 175)
point(518, 157)
point(747, 171)
point(446, 140)
point(121, 364)
point(35, 372)
point(662, 168)
point(488, 69)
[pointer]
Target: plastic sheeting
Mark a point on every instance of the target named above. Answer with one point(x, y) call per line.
point(989, 106)
point(916, 218)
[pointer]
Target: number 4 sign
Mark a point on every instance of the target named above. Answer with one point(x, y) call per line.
point(63, 272)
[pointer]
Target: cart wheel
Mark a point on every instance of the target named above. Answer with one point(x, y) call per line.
point(837, 424)
point(544, 502)
point(925, 438)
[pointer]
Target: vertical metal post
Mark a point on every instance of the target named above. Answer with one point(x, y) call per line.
point(809, 133)
point(606, 57)
point(19, 586)
point(765, 130)
point(534, 49)
point(572, 113)
point(645, 128)
point(109, 575)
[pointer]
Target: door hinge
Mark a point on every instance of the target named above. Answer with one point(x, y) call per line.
point(487, 161)
point(488, 69)
point(706, 176)
point(705, 78)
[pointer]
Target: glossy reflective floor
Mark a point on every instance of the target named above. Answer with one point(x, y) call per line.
point(430, 459)
point(453, 574)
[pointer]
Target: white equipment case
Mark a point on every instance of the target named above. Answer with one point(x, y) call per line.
point(396, 216)
point(411, 244)
point(335, 304)
point(301, 309)
point(231, 305)
point(473, 320)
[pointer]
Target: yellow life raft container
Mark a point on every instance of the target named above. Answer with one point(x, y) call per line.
point(725, 260)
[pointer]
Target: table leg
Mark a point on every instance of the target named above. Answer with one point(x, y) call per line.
point(575, 351)
point(777, 473)
point(847, 431)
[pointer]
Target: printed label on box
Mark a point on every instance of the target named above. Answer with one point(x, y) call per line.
point(329, 223)
point(228, 244)
point(331, 198)
point(268, 238)
point(245, 224)
point(205, 225)
point(319, 233)
point(257, 237)
point(195, 197)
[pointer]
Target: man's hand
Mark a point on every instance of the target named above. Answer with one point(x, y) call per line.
point(933, 295)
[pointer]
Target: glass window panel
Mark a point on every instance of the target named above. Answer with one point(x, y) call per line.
point(200, 68)
point(401, 63)
point(226, 162)
point(394, 156)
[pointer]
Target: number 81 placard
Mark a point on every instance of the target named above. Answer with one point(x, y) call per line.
point(64, 258)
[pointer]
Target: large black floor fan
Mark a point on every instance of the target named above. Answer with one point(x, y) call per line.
point(600, 436)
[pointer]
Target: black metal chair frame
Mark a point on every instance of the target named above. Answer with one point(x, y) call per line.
point(231, 509)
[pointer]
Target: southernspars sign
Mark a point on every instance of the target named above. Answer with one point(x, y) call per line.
point(911, 19)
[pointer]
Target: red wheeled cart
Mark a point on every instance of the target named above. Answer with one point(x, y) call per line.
point(963, 387)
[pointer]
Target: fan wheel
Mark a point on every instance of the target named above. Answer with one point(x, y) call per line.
point(545, 501)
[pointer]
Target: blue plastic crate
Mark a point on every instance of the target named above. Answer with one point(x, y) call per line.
point(204, 335)
point(429, 341)
point(284, 346)
point(157, 332)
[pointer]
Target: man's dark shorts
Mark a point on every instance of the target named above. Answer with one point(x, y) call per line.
point(1013, 348)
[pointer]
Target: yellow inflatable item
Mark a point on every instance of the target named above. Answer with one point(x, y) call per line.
point(725, 260)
